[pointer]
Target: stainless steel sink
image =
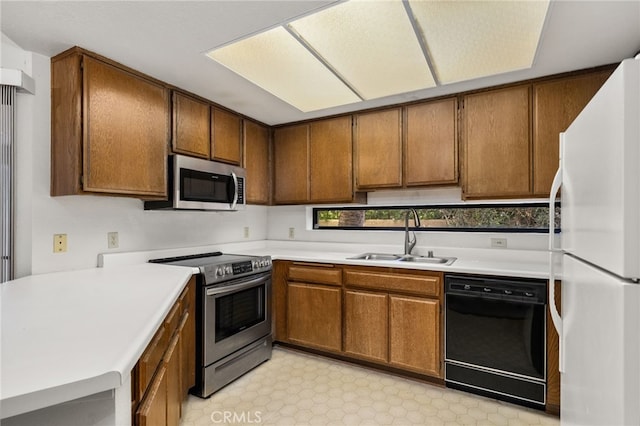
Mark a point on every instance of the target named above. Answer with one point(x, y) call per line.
point(428, 259)
point(377, 256)
point(406, 258)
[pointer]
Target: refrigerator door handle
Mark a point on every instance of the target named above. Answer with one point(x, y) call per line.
point(553, 308)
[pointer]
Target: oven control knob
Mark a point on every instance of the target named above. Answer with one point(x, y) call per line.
point(467, 287)
point(487, 290)
point(228, 269)
point(262, 263)
point(219, 271)
point(528, 294)
point(508, 292)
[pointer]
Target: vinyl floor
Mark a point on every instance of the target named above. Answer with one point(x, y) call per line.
point(295, 388)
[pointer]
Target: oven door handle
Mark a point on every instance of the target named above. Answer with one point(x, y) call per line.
point(215, 291)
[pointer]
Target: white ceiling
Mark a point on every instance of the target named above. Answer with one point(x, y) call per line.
point(168, 40)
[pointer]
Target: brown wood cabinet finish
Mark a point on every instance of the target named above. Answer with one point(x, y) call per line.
point(191, 126)
point(110, 129)
point(321, 274)
point(330, 162)
point(415, 334)
point(226, 136)
point(170, 358)
point(379, 149)
point(174, 381)
point(279, 291)
point(431, 143)
point(419, 284)
point(556, 104)
point(153, 409)
point(256, 163)
point(366, 330)
point(291, 164)
point(314, 316)
point(497, 143)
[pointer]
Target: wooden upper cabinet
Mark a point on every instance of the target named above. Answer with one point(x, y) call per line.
point(555, 105)
point(226, 136)
point(291, 164)
point(256, 162)
point(496, 143)
point(191, 126)
point(379, 149)
point(110, 129)
point(331, 160)
point(431, 143)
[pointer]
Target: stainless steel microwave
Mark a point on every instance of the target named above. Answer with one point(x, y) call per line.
point(197, 184)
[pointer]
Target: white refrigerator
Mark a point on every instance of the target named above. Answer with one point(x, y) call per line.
point(599, 324)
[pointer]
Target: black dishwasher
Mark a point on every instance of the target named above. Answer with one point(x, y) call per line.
point(495, 337)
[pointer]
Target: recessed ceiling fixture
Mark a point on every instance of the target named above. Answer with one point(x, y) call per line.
point(366, 49)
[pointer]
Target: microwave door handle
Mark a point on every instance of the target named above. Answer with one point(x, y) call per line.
point(235, 190)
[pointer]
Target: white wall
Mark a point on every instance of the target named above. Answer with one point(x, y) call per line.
point(87, 219)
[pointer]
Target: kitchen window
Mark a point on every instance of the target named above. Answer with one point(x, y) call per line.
point(521, 217)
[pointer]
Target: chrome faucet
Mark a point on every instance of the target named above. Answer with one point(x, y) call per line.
point(410, 240)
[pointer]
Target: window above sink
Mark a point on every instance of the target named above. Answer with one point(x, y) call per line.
point(530, 217)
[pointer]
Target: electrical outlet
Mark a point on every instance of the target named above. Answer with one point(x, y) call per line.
point(246, 232)
point(59, 243)
point(112, 240)
point(499, 242)
point(292, 233)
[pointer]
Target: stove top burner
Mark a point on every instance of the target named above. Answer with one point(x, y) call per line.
point(217, 266)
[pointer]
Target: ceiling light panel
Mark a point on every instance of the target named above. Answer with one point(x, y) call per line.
point(472, 39)
point(275, 61)
point(371, 44)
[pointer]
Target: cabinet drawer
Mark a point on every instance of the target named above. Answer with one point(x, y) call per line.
point(153, 408)
point(150, 359)
point(423, 285)
point(173, 318)
point(316, 274)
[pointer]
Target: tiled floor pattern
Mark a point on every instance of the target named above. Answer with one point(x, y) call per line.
point(295, 388)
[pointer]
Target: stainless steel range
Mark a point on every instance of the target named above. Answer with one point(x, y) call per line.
point(233, 316)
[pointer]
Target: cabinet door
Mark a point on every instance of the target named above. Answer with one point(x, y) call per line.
point(431, 150)
point(226, 140)
point(366, 333)
point(496, 144)
point(314, 316)
point(331, 160)
point(188, 349)
point(174, 381)
point(291, 164)
point(256, 162)
point(379, 149)
point(153, 408)
point(415, 334)
point(555, 105)
point(191, 126)
point(125, 136)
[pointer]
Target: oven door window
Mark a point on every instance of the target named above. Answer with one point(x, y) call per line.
point(506, 336)
point(238, 311)
point(207, 187)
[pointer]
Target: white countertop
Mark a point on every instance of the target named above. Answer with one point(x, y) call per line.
point(501, 262)
point(71, 334)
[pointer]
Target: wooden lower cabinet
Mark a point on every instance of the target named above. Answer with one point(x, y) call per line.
point(152, 411)
point(385, 316)
point(314, 315)
point(366, 331)
point(166, 370)
point(414, 343)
